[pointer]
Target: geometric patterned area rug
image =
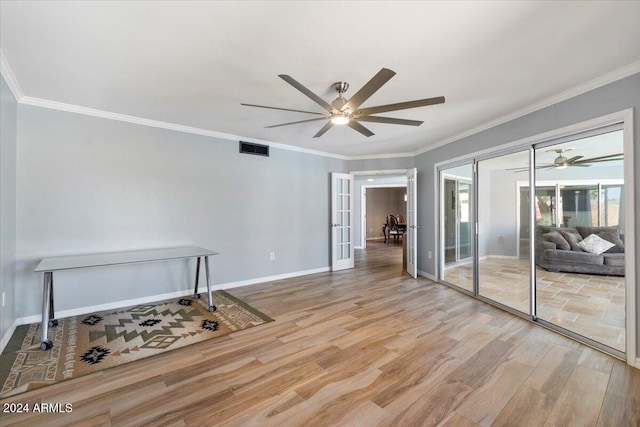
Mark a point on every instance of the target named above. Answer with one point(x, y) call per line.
point(92, 342)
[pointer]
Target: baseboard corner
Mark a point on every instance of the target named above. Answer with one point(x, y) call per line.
point(7, 336)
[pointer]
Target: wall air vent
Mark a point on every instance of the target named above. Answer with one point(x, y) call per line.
point(256, 149)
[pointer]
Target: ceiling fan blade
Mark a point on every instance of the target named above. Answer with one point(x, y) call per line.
point(295, 123)
point(572, 160)
point(400, 106)
point(599, 161)
point(368, 89)
point(539, 166)
point(388, 120)
point(283, 109)
point(324, 104)
point(357, 126)
point(324, 128)
point(607, 158)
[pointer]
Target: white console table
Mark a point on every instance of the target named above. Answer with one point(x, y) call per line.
point(49, 265)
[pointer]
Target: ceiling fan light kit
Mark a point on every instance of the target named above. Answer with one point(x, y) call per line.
point(345, 112)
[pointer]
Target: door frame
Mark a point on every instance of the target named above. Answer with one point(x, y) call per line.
point(380, 172)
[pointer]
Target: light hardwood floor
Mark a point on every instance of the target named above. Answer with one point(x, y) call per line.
point(364, 347)
point(590, 305)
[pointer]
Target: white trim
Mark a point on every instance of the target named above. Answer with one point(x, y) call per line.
point(153, 298)
point(630, 243)
point(7, 336)
point(380, 172)
point(611, 77)
point(428, 276)
point(264, 279)
point(10, 78)
point(13, 84)
point(438, 226)
point(363, 206)
point(498, 257)
point(637, 365)
point(606, 120)
point(70, 108)
point(381, 156)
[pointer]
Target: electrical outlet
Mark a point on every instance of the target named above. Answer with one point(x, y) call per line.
point(429, 254)
point(272, 256)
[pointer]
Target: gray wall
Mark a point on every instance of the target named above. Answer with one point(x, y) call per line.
point(8, 147)
point(616, 96)
point(88, 184)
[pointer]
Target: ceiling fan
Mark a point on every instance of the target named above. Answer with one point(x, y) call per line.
point(562, 162)
point(342, 111)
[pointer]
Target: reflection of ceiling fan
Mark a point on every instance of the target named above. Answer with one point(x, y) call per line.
point(347, 112)
point(562, 162)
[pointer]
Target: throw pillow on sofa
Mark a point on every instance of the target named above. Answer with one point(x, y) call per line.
point(611, 234)
point(595, 244)
point(572, 236)
point(554, 237)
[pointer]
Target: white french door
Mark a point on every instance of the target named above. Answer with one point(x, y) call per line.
point(412, 226)
point(341, 221)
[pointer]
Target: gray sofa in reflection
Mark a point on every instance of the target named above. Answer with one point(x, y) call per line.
point(557, 250)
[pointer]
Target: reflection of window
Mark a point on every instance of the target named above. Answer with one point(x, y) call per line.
point(612, 205)
point(580, 203)
point(464, 206)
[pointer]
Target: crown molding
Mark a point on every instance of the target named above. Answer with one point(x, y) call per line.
point(381, 156)
point(70, 108)
point(12, 82)
point(10, 78)
point(611, 77)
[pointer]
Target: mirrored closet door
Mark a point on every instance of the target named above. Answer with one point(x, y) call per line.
point(457, 194)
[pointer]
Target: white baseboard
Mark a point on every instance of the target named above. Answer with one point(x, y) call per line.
point(482, 258)
point(5, 339)
point(638, 362)
point(427, 275)
point(144, 300)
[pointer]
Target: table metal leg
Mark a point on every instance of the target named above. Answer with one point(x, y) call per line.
point(212, 307)
point(195, 291)
point(53, 322)
point(45, 342)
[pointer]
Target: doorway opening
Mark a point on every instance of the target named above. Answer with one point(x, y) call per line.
point(380, 194)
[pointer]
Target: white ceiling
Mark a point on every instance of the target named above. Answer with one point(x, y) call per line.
point(193, 63)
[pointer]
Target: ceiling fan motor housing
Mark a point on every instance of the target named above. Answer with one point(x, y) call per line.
point(341, 87)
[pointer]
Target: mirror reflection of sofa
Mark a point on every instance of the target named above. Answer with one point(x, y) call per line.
point(589, 250)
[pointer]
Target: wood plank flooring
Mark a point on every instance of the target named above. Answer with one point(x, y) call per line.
point(364, 347)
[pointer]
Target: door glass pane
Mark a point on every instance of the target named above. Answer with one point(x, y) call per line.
point(577, 287)
point(457, 225)
point(503, 269)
